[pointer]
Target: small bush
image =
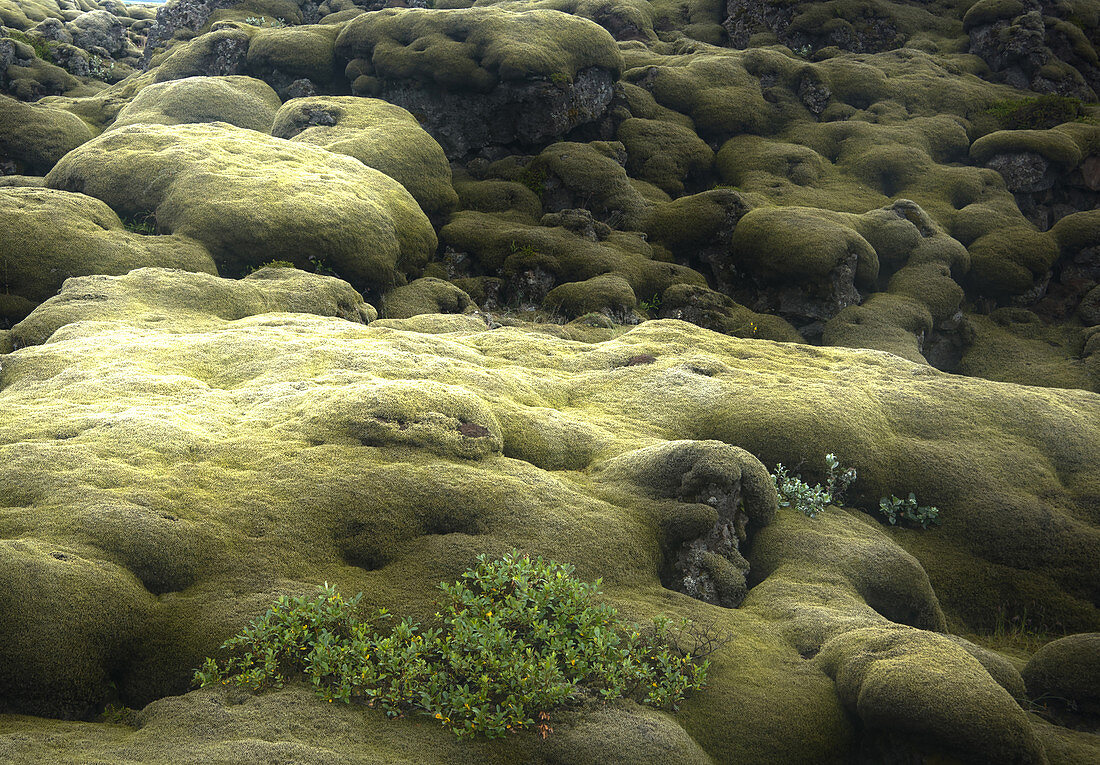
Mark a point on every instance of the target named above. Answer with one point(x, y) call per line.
point(517, 638)
point(908, 510)
point(811, 500)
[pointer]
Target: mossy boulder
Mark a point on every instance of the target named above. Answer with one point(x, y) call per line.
point(34, 136)
point(378, 134)
point(920, 691)
point(47, 236)
point(608, 294)
point(251, 198)
point(1065, 673)
point(664, 153)
point(286, 56)
point(236, 99)
point(425, 295)
point(483, 76)
point(179, 301)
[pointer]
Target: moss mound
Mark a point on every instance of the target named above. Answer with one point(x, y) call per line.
point(378, 134)
point(250, 198)
point(235, 99)
point(33, 137)
point(47, 236)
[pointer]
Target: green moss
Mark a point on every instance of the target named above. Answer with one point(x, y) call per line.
point(47, 236)
point(802, 244)
point(426, 295)
point(1050, 144)
point(663, 153)
point(236, 99)
point(492, 240)
point(609, 294)
point(1038, 113)
point(165, 298)
point(899, 696)
point(295, 52)
point(476, 48)
point(35, 136)
point(250, 198)
point(378, 134)
point(989, 11)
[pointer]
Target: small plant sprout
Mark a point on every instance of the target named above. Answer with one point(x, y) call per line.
point(811, 500)
point(908, 510)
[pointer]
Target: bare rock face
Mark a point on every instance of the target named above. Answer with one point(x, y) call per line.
point(1023, 172)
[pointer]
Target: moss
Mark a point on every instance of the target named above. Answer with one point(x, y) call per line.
point(476, 48)
point(492, 240)
point(802, 244)
point(35, 136)
point(378, 134)
point(47, 236)
point(497, 196)
point(426, 295)
point(1038, 113)
point(295, 53)
point(608, 294)
point(236, 99)
point(1050, 144)
point(592, 175)
point(1010, 261)
point(221, 52)
point(989, 11)
point(289, 201)
point(175, 299)
point(1014, 345)
point(895, 680)
point(663, 153)
point(691, 223)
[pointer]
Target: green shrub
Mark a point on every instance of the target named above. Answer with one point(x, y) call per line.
point(908, 510)
point(517, 638)
point(811, 500)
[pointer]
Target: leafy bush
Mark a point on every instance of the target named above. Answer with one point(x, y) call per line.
point(908, 510)
point(811, 500)
point(517, 638)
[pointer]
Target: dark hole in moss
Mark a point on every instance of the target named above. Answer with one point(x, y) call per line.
point(473, 430)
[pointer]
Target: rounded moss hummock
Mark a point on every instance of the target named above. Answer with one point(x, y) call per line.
point(378, 134)
point(251, 198)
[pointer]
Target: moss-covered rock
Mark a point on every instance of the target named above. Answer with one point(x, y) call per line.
point(608, 294)
point(250, 198)
point(1066, 674)
point(179, 301)
point(483, 76)
point(235, 99)
point(33, 136)
point(920, 691)
point(47, 236)
point(264, 454)
point(664, 153)
point(426, 295)
point(378, 134)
